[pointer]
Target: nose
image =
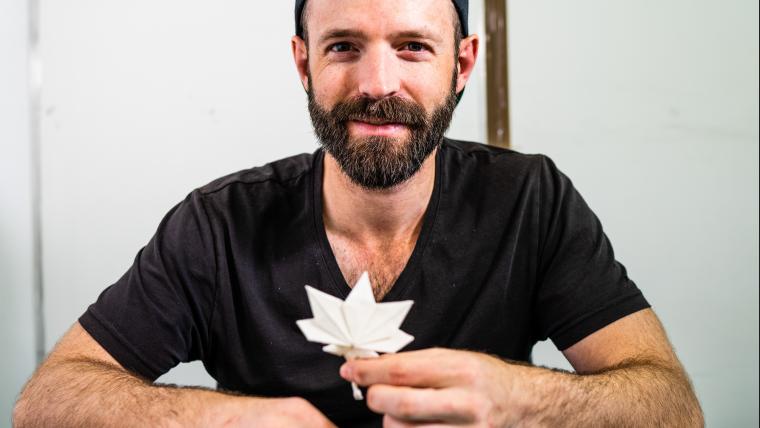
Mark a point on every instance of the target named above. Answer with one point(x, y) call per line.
point(378, 73)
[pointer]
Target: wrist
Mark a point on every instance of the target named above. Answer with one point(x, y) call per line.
point(221, 410)
point(193, 407)
point(537, 390)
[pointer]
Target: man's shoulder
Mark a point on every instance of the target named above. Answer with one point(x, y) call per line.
point(483, 154)
point(282, 172)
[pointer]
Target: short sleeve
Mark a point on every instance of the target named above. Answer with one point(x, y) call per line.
point(156, 315)
point(581, 287)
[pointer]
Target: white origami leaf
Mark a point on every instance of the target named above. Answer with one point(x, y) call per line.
point(362, 291)
point(386, 317)
point(314, 333)
point(357, 317)
point(389, 345)
point(358, 327)
point(327, 313)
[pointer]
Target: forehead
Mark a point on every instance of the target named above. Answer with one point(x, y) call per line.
point(380, 16)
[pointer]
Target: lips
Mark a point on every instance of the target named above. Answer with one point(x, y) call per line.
point(376, 128)
point(374, 121)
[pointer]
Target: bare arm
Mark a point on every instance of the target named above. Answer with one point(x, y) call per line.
point(80, 384)
point(627, 375)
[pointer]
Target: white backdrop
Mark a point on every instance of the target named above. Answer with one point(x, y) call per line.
point(16, 232)
point(651, 107)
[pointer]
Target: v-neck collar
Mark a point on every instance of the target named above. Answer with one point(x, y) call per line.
point(403, 282)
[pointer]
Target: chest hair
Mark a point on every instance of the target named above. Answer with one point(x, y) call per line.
point(384, 261)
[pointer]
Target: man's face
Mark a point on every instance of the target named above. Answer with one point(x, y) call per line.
point(382, 82)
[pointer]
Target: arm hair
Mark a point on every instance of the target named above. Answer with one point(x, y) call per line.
point(80, 384)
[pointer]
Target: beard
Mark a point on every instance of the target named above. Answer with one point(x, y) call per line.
point(380, 162)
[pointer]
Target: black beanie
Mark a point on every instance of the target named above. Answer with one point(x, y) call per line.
point(460, 5)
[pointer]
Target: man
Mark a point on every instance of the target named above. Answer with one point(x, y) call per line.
point(496, 248)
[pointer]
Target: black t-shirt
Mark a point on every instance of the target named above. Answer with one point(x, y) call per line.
point(509, 254)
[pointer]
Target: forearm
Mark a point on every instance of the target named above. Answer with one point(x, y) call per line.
point(635, 393)
point(83, 392)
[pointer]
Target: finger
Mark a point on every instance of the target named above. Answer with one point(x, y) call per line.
point(391, 422)
point(433, 368)
point(417, 405)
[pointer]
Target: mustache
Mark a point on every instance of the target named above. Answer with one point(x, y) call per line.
point(384, 110)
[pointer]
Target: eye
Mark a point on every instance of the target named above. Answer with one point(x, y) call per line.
point(340, 47)
point(415, 47)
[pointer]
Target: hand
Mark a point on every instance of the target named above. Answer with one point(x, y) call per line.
point(439, 386)
point(273, 412)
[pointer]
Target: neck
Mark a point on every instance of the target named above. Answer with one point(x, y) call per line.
point(362, 214)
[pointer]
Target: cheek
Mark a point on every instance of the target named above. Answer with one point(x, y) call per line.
point(330, 86)
point(429, 85)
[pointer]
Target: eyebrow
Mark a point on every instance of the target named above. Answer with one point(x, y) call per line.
point(339, 33)
point(415, 34)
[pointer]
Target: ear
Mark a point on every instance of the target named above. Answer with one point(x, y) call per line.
point(301, 58)
point(468, 53)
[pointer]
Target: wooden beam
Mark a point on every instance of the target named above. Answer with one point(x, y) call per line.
point(497, 73)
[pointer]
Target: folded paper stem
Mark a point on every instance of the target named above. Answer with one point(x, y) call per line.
point(357, 392)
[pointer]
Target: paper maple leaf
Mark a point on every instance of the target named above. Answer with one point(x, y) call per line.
point(358, 327)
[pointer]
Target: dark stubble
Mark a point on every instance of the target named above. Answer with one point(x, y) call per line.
point(378, 162)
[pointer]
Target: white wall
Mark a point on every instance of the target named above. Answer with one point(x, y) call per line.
point(145, 100)
point(16, 252)
point(651, 107)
